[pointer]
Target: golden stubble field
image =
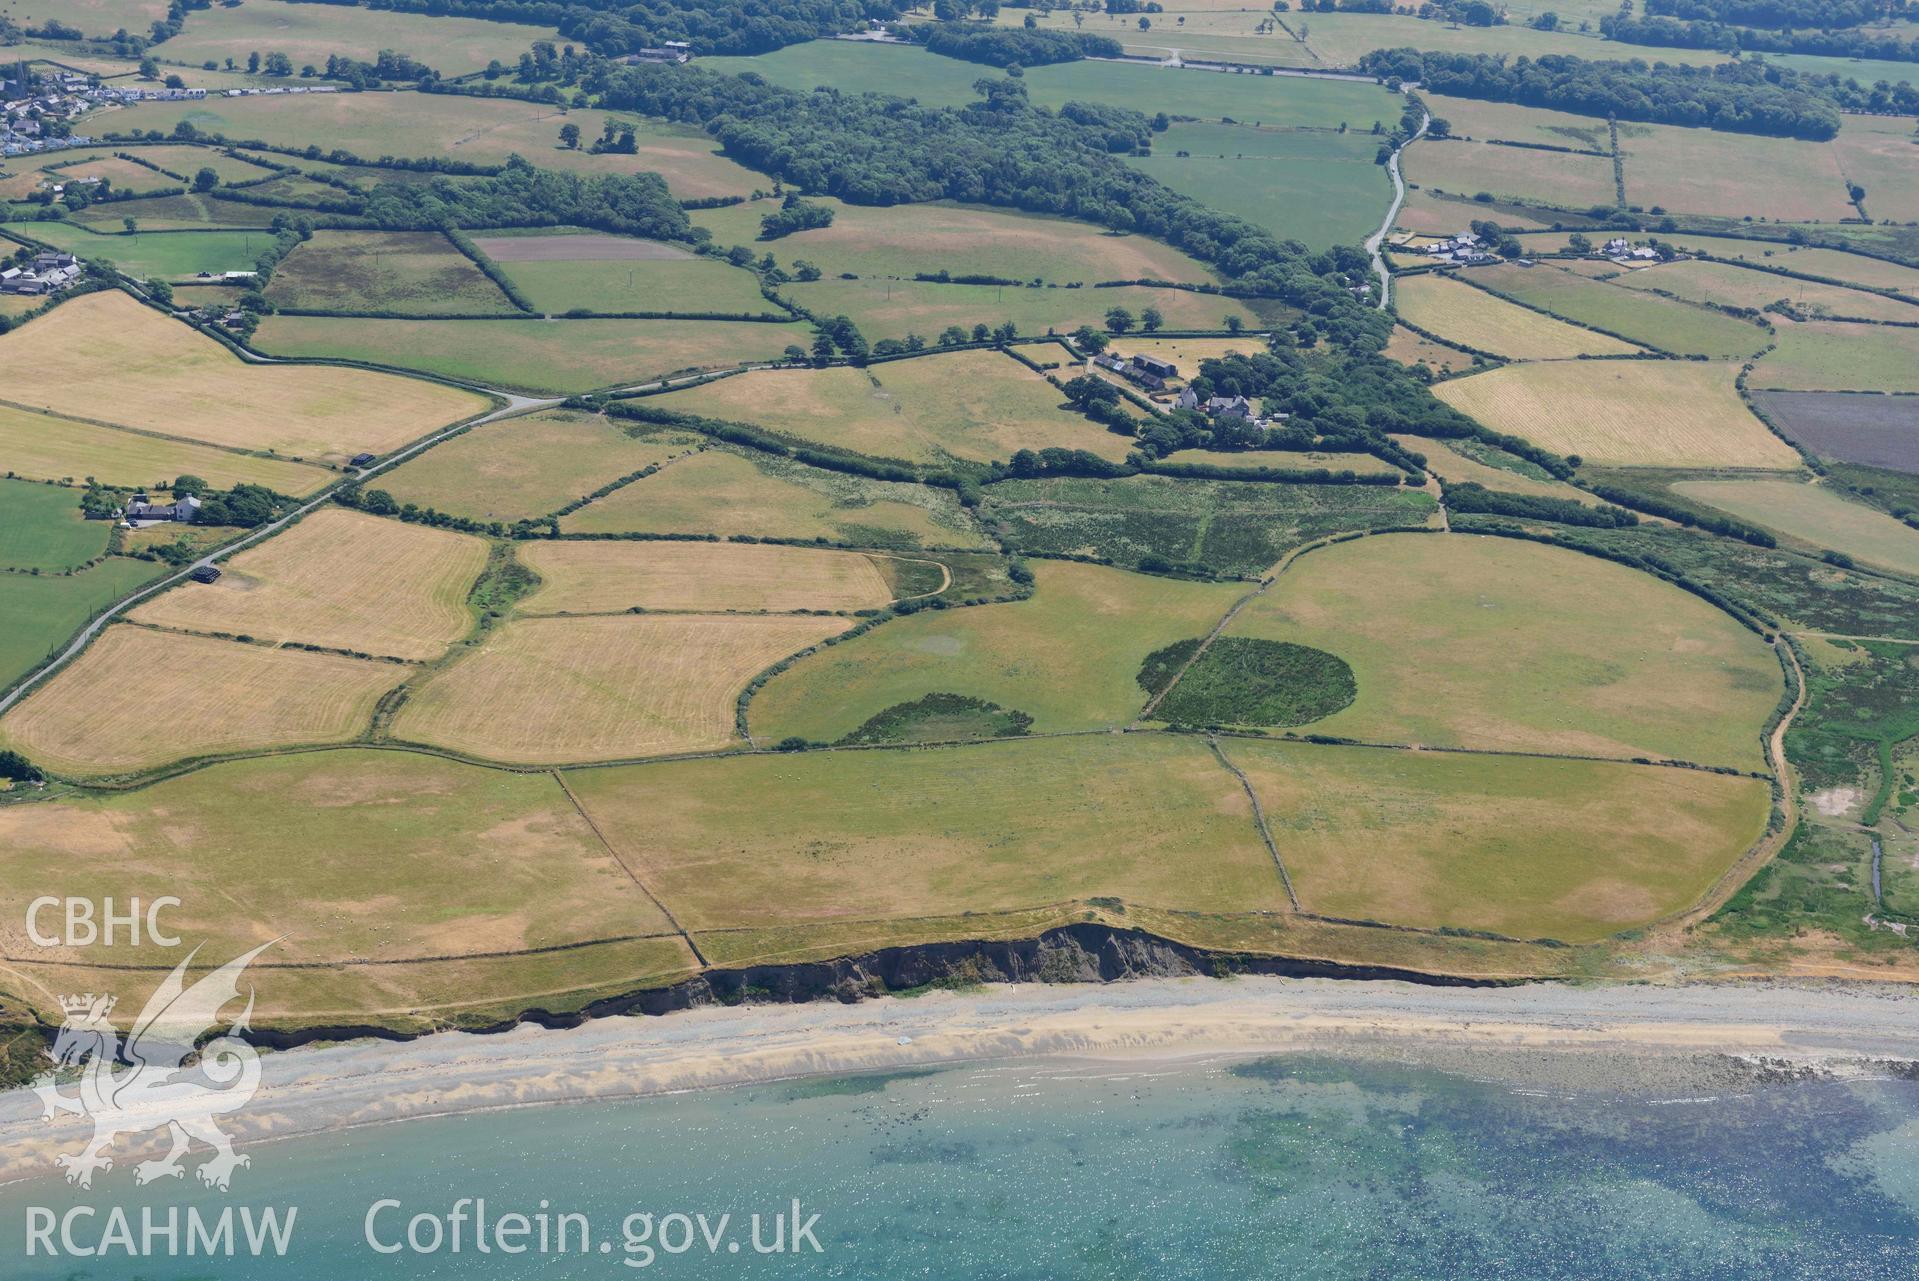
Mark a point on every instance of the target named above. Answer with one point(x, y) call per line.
point(108, 357)
point(139, 698)
point(549, 690)
point(616, 575)
point(1624, 413)
point(1462, 314)
point(341, 579)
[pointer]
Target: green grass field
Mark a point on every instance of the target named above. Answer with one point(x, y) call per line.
point(1630, 313)
point(43, 612)
point(452, 46)
point(1222, 526)
point(187, 162)
point(158, 255)
point(1322, 189)
point(96, 17)
point(896, 308)
point(175, 213)
point(1509, 646)
point(613, 284)
point(1201, 95)
point(787, 840)
point(1572, 850)
point(557, 357)
point(1066, 657)
point(408, 271)
point(1831, 356)
point(976, 406)
point(41, 528)
point(1817, 515)
point(526, 467)
point(907, 240)
point(725, 491)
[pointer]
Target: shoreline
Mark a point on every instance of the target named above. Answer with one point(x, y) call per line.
point(1582, 1032)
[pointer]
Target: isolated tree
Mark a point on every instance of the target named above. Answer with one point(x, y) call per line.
point(1145, 24)
point(1006, 333)
point(253, 62)
point(1119, 320)
point(149, 69)
point(570, 136)
point(1234, 324)
point(1150, 320)
point(278, 64)
point(131, 224)
point(206, 179)
point(981, 332)
point(952, 336)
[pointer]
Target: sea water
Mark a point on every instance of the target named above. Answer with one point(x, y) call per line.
point(1291, 1167)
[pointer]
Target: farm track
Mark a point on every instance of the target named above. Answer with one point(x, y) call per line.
point(1768, 846)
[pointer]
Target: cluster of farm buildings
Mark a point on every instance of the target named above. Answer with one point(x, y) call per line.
point(47, 273)
point(1157, 375)
point(1469, 250)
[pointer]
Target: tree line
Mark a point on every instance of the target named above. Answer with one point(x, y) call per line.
point(1736, 97)
point(618, 27)
point(1010, 46)
point(635, 204)
point(1783, 14)
point(1674, 33)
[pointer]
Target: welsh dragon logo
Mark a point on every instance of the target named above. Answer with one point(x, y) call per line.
point(147, 1083)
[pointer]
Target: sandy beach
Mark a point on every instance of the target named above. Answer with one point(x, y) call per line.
point(1551, 1028)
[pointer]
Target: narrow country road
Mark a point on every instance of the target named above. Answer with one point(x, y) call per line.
point(1378, 238)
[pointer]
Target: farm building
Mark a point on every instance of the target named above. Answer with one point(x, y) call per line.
point(143, 511)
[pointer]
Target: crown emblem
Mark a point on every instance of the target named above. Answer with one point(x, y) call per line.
point(85, 1004)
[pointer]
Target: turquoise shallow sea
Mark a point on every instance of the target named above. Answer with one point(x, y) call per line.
point(1277, 1168)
